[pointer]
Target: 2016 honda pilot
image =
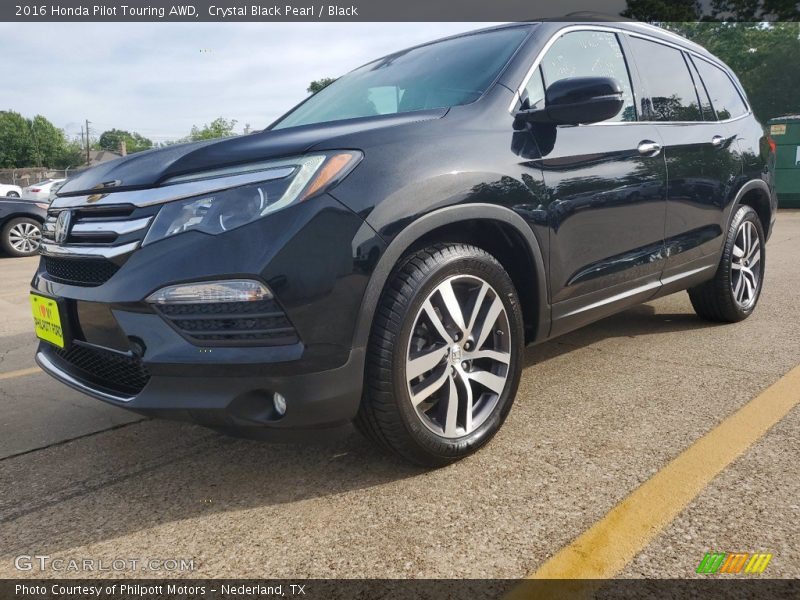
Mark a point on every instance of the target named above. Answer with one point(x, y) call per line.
point(384, 251)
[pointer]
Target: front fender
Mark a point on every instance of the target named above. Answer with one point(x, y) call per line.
point(427, 223)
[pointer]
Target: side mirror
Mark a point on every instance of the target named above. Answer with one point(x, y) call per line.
point(578, 100)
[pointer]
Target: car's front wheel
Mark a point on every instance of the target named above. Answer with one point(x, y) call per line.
point(445, 355)
point(21, 237)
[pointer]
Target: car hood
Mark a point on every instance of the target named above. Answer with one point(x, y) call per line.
point(150, 168)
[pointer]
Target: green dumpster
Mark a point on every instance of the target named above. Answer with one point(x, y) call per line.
point(785, 131)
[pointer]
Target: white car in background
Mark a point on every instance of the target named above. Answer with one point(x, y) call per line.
point(43, 191)
point(10, 191)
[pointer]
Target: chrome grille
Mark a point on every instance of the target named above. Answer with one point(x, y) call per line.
point(98, 238)
point(97, 231)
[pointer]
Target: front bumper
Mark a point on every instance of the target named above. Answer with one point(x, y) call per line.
point(135, 358)
point(240, 404)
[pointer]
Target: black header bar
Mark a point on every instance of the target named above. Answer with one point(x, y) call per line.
point(386, 10)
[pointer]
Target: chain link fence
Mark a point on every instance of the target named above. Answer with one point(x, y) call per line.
point(25, 177)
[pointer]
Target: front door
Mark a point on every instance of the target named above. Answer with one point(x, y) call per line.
point(605, 190)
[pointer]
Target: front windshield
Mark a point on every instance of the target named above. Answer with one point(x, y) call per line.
point(439, 75)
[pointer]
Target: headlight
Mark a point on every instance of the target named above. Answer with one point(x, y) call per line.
point(285, 182)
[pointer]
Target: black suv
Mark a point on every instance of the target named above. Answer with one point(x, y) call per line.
point(384, 251)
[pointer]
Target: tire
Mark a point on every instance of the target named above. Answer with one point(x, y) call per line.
point(733, 293)
point(12, 195)
point(21, 237)
point(415, 334)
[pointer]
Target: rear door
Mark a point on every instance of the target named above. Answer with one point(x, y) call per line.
point(606, 189)
point(701, 156)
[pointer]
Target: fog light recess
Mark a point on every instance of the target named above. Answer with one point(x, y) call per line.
point(279, 404)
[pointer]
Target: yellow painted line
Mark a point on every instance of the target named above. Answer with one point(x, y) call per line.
point(20, 373)
point(609, 545)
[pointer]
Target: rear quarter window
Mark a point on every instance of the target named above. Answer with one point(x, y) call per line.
point(702, 93)
point(725, 98)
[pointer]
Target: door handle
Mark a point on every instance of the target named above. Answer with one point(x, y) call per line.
point(649, 148)
point(717, 141)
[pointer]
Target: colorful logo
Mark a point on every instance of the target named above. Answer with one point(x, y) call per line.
point(733, 562)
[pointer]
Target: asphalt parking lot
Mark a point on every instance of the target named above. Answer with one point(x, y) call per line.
point(600, 412)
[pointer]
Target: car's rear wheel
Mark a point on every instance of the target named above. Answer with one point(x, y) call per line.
point(734, 292)
point(12, 195)
point(21, 237)
point(444, 357)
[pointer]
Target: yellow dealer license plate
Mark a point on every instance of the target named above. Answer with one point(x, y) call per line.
point(47, 320)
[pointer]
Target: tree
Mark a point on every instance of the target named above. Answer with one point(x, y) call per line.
point(34, 143)
point(754, 10)
point(49, 142)
point(320, 84)
point(218, 128)
point(73, 154)
point(760, 53)
point(134, 142)
point(663, 10)
point(16, 143)
point(757, 53)
point(685, 11)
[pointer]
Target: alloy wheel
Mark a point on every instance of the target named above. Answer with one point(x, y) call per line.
point(25, 237)
point(458, 357)
point(745, 268)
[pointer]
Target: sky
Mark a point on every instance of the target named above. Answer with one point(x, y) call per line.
point(160, 79)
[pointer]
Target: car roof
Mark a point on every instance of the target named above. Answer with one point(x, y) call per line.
point(551, 27)
point(524, 24)
point(589, 18)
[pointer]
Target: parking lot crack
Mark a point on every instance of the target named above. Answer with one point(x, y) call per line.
point(68, 440)
point(212, 443)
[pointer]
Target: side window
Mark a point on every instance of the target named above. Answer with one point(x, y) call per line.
point(534, 91)
point(669, 85)
point(724, 96)
point(590, 54)
point(385, 99)
point(702, 93)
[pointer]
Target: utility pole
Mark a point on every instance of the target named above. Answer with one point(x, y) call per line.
point(88, 159)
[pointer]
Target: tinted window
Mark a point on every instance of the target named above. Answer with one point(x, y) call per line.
point(724, 96)
point(669, 85)
point(385, 99)
point(438, 75)
point(534, 91)
point(702, 93)
point(590, 54)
